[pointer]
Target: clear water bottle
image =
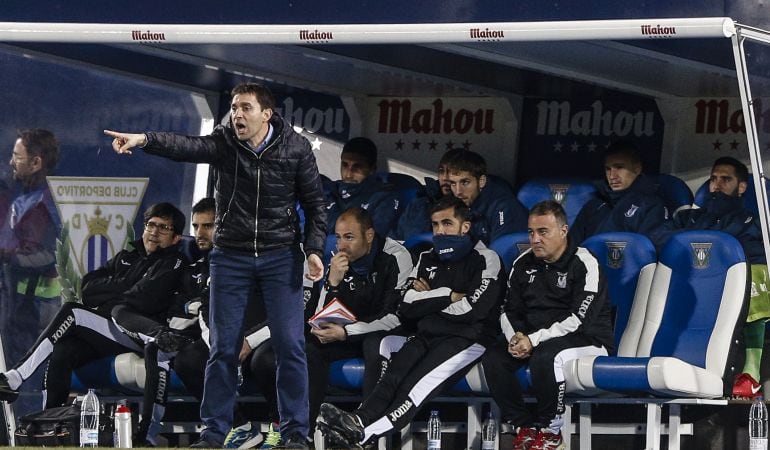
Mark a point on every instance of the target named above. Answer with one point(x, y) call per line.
point(758, 425)
point(89, 420)
point(434, 431)
point(488, 432)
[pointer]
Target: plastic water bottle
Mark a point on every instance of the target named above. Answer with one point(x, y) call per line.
point(434, 431)
point(758, 425)
point(89, 420)
point(488, 432)
point(123, 427)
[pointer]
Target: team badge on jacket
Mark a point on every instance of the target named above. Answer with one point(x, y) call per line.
point(561, 282)
point(631, 211)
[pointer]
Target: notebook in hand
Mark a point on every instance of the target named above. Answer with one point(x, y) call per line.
point(334, 312)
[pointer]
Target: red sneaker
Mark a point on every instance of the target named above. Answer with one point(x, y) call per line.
point(524, 438)
point(546, 440)
point(746, 386)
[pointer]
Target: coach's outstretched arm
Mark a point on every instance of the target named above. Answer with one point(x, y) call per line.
point(125, 142)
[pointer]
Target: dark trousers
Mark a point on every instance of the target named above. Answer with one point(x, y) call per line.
point(277, 274)
point(418, 372)
point(546, 369)
point(319, 358)
point(75, 337)
point(189, 363)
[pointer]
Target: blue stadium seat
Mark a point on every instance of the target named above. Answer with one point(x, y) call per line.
point(509, 247)
point(571, 193)
point(331, 246)
point(422, 241)
point(749, 197)
point(675, 192)
point(628, 260)
point(399, 180)
point(696, 308)
point(123, 373)
point(499, 185)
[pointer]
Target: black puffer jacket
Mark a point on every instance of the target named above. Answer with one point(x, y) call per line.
point(256, 194)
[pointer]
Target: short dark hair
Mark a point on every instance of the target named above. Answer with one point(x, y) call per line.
point(467, 161)
point(166, 211)
point(363, 147)
point(42, 143)
point(462, 212)
point(550, 207)
point(450, 155)
point(741, 171)
point(261, 92)
point(361, 216)
point(207, 204)
point(626, 149)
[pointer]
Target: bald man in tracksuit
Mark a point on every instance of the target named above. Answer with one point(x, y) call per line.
point(452, 297)
point(557, 309)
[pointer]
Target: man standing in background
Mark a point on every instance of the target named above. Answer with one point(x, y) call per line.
point(30, 227)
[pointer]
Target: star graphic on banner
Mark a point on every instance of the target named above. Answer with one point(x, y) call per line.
point(450, 145)
point(574, 147)
point(399, 144)
point(557, 147)
point(717, 144)
point(467, 145)
point(432, 144)
point(316, 143)
point(591, 147)
point(734, 145)
point(416, 144)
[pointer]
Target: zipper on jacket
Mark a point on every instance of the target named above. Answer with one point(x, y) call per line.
point(259, 179)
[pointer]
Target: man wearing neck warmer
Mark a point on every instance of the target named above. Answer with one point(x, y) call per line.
point(367, 273)
point(359, 186)
point(452, 299)
point(626, 201)
point(557, 309)
point(724, 211)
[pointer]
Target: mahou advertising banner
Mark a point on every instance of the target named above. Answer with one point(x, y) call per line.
point(707, 128)
point(413, 133)
point(566, 137)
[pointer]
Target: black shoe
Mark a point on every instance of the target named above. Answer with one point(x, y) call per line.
point(170, 341)
point(296, 440)
point(340, 425)
point(6, 393)
point(203, 443)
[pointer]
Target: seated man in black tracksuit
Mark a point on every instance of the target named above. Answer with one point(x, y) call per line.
point(359, 186)
point(144, 277)
point(626, 201)
point(453, 296)
point(492, 214)
point(724, 211)
point(368, 275)
point(556, 310)
point(181, 340)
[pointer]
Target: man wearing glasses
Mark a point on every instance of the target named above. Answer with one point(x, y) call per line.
point(29, 226)
point(143, 276)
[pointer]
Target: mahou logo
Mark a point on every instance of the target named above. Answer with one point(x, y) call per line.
point(486, 34)
point(315, 35)
point(657, 30)
point(147, 36)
